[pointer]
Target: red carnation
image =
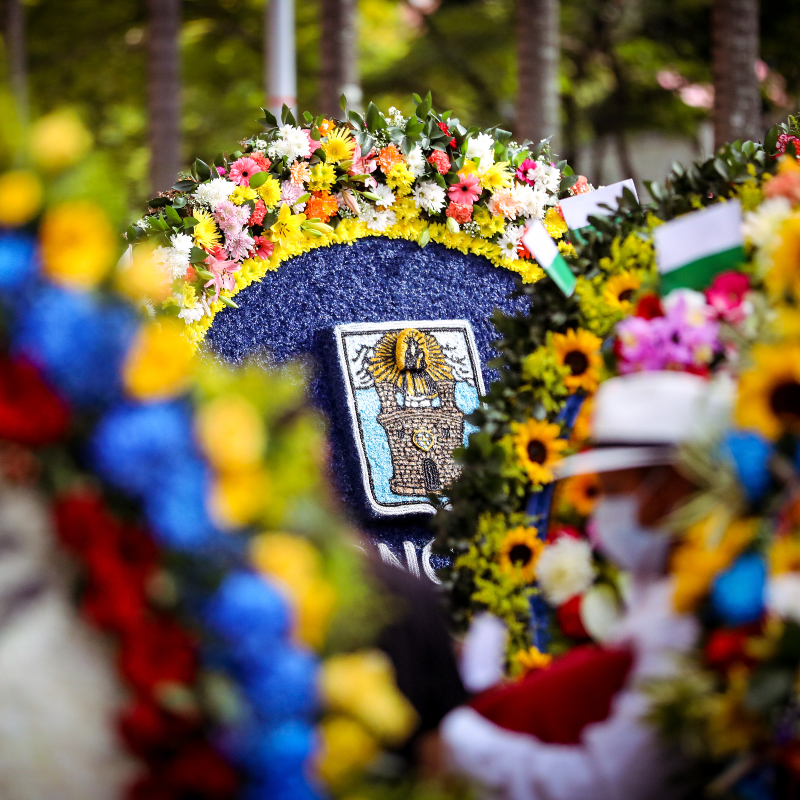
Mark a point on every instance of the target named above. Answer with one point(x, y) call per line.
point(558, 531)
point(439, 159)
point(649, 306)
point(261, 160)
point(569, 618)
point(30, 411)
point(725, 648)
point(259, 212)
point(157, 651)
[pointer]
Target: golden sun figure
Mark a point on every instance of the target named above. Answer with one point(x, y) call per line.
point(580, 351)
point(519, 552)
point(538, 448)
point(621, 289)
point(769, 392)
point(412, 360)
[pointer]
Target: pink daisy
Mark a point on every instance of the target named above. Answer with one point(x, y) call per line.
point(242, 169)
point(466, 191)
point(526, 170)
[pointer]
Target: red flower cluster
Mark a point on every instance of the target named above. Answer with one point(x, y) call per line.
point(155, 653)
point(444, 129)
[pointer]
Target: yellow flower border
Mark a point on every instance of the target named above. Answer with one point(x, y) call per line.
point(351, 230)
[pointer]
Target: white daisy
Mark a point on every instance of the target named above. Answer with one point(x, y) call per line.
point(510, 239)
point(429, 196)
point(377, 220)
point(212, 193)
point(547, 176)
point(291, 143)
point(385, 194)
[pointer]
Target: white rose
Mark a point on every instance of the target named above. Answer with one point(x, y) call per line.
point(565, 569)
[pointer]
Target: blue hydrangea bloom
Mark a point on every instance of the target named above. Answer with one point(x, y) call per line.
point(137, 447)
point(283, 685)
point(750, 454)
point(288, 787)
point(250, 614)
point(78, 341)
point(18, 262)
point(280, 752)
point(738, 593)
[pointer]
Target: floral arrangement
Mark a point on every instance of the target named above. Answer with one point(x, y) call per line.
point(192, 500)
point(299, 186)
point(539, 575)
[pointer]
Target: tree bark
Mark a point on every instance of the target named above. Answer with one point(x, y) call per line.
point(14, 32)
point(163, 95)
point(338, 55)
point(538, 55)
point(737, 98)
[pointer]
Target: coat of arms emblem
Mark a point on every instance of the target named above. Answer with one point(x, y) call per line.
point(409, 387)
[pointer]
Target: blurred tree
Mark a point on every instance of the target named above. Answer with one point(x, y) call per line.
point(14, 34)
point(538, 51)
point(338, 55)
point(737, 97)
point(163, 91)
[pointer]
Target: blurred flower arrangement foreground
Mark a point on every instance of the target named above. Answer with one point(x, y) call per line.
point(202, 541)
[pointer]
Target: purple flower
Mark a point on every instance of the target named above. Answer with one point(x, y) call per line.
point(231, 218)
point(238, 243)
point(641, 344)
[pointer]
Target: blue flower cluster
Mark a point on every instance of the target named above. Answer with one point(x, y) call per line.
point(279, 681)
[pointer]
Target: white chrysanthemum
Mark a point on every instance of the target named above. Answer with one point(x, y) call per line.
point(385, 194)
point(378, 220)
point(190, 312)
point(533, 200)
point(212, 193)
point(509, 241)
point(759, 226)
point(291, 144)
point(783, 596)
point(565, 569)
point(183, 243)
point(547, 176)
point(481, 148)
point(173, 261)
point(429, 196)
point(416, 162)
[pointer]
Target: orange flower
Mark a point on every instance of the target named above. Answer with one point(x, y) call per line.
point(300, 172)
point(388, 157)
point(326, 126)
point(322, 206)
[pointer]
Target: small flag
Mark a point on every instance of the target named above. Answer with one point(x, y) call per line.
point(541, 246)
point(578, 209)
point(692, 249)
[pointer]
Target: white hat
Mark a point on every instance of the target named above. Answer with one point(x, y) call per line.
point(638, 420)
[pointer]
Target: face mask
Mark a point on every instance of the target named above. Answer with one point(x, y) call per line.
point(632, 546)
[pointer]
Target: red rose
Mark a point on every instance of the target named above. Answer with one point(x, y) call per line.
point(558, 531)
point(725, 648)
point(31, 413)
point(568, 616)
point(157, 651)
point(649, 306)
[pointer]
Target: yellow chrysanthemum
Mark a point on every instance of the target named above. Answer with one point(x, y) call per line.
point(241, 194)
point(159, 362)
point(78, 244)
point(20, 197)
point(231, 432)
point(620, 290)
point(270, 192)
point(769, 392)
point(339, 146)
point(400, 178)
point(783, 275)
point(206, 233)
point(345, 748)
point(531, 659)
point(538, 448)
point(498, 176)
point(322, 177)
point(582, 493)
point(286, 229)
point(580, 351)
point(238, 498)
point(554, 223)
point(519, 551)
point(489, 225)
point(405, 209)
point(469, 168)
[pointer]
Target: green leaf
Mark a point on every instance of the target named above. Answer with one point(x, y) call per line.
point(771, 140)
point(220, 161)
point(179, 202)
point(375, 121)
point(158, 202)
point(259, 179)
point(197, 256)
point(269, 120)
point(173, 217)
point(202, 170)
point(227, 301)
point(416, 98)
point(185, 186)
point(567, 182)
point(308, 117)
point(439, 179)
point(371, 196)
point(189, 222)
point(343, 102)
point(236, 154)
point(424, 237)
point(303, 198)
point(722, 169)
point(287, 118)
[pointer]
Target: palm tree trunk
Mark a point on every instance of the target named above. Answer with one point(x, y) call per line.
point(14, 34)
point(538, 55)
point(737, 98)
point(163, 95)
point(338, 55)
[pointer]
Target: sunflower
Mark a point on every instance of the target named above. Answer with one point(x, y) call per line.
point(581, 492)
point(769, 392)
point(519, 552)
point(538, 448)
point(580, 351)
point(621, 289)
point(784, 272)
point(338, 146)
point(206, 233)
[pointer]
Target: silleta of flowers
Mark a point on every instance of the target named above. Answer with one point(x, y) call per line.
point(298, 186)
point(191, 496)
point(547, 586)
